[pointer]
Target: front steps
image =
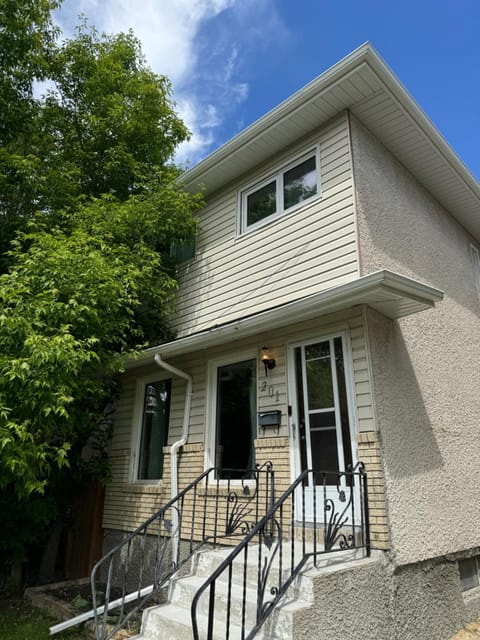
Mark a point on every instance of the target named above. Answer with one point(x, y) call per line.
point(172, 621)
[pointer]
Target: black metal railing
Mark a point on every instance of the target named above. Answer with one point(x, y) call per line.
point(313, 517)
point(217, 506)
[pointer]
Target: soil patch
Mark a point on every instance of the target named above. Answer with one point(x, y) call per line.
point(66, 600)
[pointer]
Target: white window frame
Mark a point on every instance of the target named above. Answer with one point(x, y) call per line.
point(475, 255)
point(277, 177)
point(211, 413)
point(141, 385)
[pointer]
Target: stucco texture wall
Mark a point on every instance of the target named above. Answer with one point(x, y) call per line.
point(426, 367)
point(368, 600)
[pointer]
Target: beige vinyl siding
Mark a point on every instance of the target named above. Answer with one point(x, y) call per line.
point(309, 249)
point(361, 377)
point(126, 504)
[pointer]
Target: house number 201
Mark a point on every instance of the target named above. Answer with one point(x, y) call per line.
point(272, 392)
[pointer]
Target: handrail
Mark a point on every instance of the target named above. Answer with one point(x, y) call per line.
point(145, 560)
point(342, 527)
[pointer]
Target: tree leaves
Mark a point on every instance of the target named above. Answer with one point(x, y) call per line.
point(89, 207)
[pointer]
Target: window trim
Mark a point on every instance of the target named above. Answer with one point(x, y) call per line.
point(136, 440)
point(276, 176)
point(211, 411)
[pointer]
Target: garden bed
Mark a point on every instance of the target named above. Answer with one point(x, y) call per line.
point(66, 600)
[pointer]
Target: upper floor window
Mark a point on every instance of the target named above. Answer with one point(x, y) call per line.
point(292, 185)
point(476, 266)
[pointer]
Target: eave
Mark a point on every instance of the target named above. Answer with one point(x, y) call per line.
point(363, 84)
point(392, 294)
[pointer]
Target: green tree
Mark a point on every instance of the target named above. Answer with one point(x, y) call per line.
point(27, 38)
point(90, 205)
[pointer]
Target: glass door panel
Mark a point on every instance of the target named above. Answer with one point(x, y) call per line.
point(321, 413)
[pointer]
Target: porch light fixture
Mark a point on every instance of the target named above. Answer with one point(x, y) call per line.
point(267, 359)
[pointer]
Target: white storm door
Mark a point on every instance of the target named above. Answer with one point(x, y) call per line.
point(321, 420)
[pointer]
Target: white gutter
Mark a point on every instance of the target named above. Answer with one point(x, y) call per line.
point(242, 141)
point(379, 290)
point(364, 54)
point(436, 165)
point(176, 446)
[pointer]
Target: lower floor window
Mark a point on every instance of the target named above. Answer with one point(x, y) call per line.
point(236, 418)
point(154, 434)
point(468, 569)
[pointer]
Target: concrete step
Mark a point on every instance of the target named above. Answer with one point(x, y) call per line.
point(206, 562)
point(173, 620)
point(186, 588)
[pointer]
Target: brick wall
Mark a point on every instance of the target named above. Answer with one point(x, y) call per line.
point(369, 453)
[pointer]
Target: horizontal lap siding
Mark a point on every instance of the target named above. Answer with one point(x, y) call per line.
point(126, 506)
point(311, 249)
point(308, 250)
point(361, 378)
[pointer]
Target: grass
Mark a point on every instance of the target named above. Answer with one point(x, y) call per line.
point(19, 620)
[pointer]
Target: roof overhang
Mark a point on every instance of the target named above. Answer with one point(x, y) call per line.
point(391, 294)
point(363, 84)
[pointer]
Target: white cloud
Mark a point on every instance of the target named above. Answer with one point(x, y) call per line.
point(197, 120)
point(204, 70)
point(166, 28)
point(230, 66)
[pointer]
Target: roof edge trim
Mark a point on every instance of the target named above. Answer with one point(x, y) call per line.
point(364, 54)
point(363, 290)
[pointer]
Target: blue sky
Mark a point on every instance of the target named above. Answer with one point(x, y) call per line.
point(231, 61)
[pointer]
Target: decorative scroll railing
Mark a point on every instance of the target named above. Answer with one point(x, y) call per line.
point(219, 505)
point(310, 519)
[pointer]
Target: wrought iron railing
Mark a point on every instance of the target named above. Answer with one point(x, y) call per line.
point(310, 519)
point(217, 506)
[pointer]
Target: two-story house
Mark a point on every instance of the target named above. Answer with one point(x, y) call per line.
point(329, 314)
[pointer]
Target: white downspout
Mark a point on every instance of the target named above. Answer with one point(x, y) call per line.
point(176, 446)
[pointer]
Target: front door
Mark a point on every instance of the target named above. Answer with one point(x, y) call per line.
point(321, 420)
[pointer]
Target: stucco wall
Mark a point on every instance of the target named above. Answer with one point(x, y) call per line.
point(426, 367)
point(368, 599)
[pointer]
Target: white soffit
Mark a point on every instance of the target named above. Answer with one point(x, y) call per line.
point(391, 294)
point(364, 84)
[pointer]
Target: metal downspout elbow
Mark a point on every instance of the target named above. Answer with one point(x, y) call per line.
point(174, 449)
